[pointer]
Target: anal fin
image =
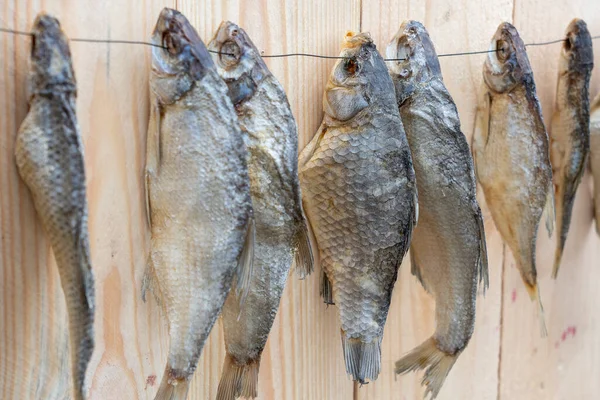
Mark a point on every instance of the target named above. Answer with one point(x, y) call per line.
point(304, 254)
point(245, 263)
point(549, 212)
point(326, 289)
point(414, 268)
point(150, 282)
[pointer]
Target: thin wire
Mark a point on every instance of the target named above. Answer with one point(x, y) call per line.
point(116, 41)
point(15, 32)
point(466, 53)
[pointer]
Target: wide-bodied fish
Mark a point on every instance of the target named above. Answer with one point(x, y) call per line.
point(511, 153)
point(570, 129)
point(49, 155)
point(198, 196)
point(448, 250)
point(271, 138)
point(360, 197)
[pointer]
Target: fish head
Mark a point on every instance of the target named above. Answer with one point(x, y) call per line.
point(238, 61)
point(179, 57)
point(358, 79)
point(577, 50)
point(506, 65)
point(51, 65)
point(416, 61)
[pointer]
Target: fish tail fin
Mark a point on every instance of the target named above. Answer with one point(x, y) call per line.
point(172, 388)
point(245, 263)
point(304, 254)
point(238, 380)
point(363, 360)
point(437, 363)
point(534, 294)
point(549, 211)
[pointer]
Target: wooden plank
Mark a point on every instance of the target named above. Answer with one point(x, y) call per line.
point(113, 112)
point(303, 357)
point(453, 28)
point(559, 366)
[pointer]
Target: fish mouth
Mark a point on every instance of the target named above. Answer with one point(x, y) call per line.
point(176, 40)
point(48, 37)
point(413, 46)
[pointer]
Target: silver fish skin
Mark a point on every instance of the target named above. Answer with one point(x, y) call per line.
point(595, 156)
point(50, 160)
point(271, 138)
point(448, 250)
point(198, 196)
point(570, 129)
point(360, 197)
point(511, 153)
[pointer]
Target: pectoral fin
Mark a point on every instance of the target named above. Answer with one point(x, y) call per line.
point(549, 212)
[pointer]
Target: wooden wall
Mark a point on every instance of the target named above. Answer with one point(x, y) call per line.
point(506, 359)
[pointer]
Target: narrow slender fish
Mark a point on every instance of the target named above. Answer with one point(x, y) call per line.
point(595, 156)
point(272, 141)
point(570, 129)
point(360, 197)
point(49, 155)
point(448, 251)
point(510, 149)
point(198, 196)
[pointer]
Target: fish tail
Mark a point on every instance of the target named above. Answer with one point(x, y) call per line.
point(534, 294)
point(437, 363)
point(172, 388)
point(363, 360)
point(238, 380)
point(304, 255)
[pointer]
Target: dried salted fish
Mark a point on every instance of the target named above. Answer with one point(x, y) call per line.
point(595, 156)
point(272, 142)
point(49, 154)
point(198, 195)
point(510, 149)
point(570, 130)
point(360, 197)
point(448, 251)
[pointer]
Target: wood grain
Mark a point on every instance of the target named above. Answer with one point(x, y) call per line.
point(303, 358)
point(556, 367)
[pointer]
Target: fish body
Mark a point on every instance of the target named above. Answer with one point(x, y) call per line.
point(595, 156)
point(510, 149)
point(360, 196)
point(271, 136)
point(50, 160)
point(198, 196)
point(448, 251)
point(570, 129)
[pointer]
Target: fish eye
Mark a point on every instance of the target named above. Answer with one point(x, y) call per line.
point(234, 32)
point(351, 66)
point(502, 50)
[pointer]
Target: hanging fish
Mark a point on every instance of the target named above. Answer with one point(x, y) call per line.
point(198, 196)
point(49, 155)
point(595, 156)
point(448, 251)
point(360, 197)
point(510, 149)
point(570, 133)
point(272, 141)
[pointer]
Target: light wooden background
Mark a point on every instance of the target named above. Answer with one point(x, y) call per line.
point(506, 358)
